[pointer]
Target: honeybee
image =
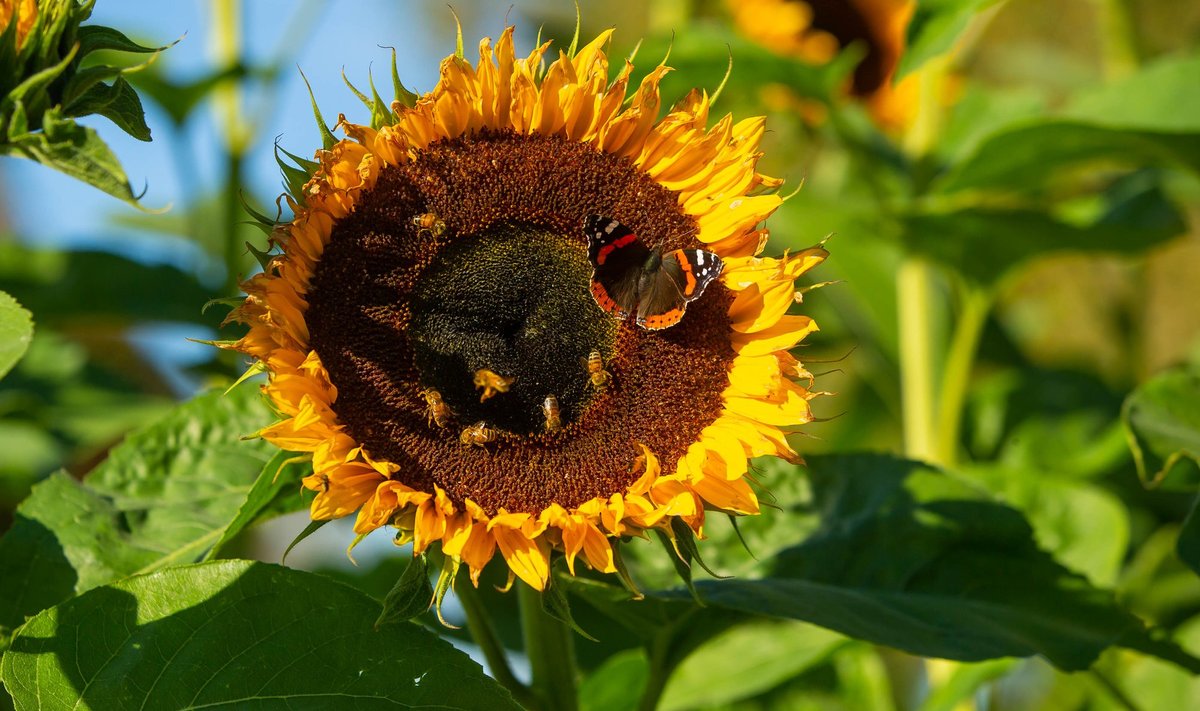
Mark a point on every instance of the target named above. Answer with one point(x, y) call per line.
point(491, 382)
point(553, 416)
point(431, 223)
point(478, 434)
point(599, 376)
point(439, 413)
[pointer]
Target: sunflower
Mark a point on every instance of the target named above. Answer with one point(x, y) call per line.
point(816, 30)
point(443, 251)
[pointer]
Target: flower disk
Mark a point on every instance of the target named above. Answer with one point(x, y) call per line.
point(432, 339)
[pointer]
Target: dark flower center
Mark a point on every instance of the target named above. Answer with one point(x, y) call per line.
point(514, 301)
point(396, 309)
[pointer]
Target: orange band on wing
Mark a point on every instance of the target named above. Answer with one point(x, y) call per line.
point(617, 244)
point(663, 320)
point(606, 302)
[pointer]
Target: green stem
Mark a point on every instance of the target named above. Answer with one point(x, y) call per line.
point(914, 304)
point(957, 374)
point(479, 624)
point(1114, 691)
point(1122, 50)
point(551, 651)
point(227, 52)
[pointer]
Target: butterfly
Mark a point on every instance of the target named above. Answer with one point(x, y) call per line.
point(629, 275)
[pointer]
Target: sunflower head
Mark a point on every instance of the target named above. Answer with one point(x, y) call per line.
point(437, 333)
point(816, 30)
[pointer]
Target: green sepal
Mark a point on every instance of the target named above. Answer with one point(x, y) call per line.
point(93, 38)
point(262, 257)
point(684, 542)
point(411, 596)
point(327, 137)
point(295, 177)
point(403, 95)
point(445, 581)
point(261, 217)
point(733, 521)
point(231, 301)
point(623, 573)
point(255, 368)
point(311, 528)
point(555, 604)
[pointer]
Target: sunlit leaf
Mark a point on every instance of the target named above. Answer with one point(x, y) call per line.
point(235, 633)
point(899, 560)
point(16, 331)
point(164, 496)
point(275, 492)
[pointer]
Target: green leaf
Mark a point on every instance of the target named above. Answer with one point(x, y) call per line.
point(617, 684)
point(164, 496)
point(118, 103)
point(93, 38)
point(1188, 546)
point(77, 151)
point(986, 244)
point(16, 331)
point(1162, 97)
point(934, 27)
point(746, 660)
point(273, 494)
point(1162, 420)
point(913, 558)
point(1031, 154)
point(73, 288)
point(410, 597)
point(235, 633)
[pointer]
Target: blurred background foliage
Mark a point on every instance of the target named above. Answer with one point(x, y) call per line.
point(1015, 293)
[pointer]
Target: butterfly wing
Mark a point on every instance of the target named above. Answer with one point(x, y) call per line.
point(617, 257)
point(682, 278)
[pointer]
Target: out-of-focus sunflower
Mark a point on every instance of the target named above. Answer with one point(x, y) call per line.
point(445, 249)
point(815, 30)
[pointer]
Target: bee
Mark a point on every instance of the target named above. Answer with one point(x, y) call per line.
point(439, 413)
point(478, 434)
point(553, 416)
point(599, 376)
point(430, 223)
point(491, 382)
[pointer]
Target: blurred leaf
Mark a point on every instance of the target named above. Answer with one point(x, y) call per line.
point(1188, 546)
point(698, 61)
point(74, 287)
point(617, 684)
point(963, 683)
point(901, 559)
point(1163, 97)
point(1162, 418)
point(746, 660)
point(933, 29)
point(984, 244)
point(180, 99)
point(274, 494)
point(164, 496)
point(75, 150)
point(16, 331)
point(1154, 684)
point(233, 633)
point(1029, 154)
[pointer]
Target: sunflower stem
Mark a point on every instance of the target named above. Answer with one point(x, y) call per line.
point(227, 51)
point(479, 624)
point(957, 374)
point(551, 652)
point(914, 306)
point(660, 671)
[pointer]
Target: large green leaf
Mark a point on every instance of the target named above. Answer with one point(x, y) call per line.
point(1162, 419)
point(1163, 97)
point(164, 496)
point(235, 634)
point(986, 244)
point(1029, 154)
point(16, 330)
point(916, 559)
point(934, 27)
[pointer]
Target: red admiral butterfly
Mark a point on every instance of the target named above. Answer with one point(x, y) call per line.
point(627, 274)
